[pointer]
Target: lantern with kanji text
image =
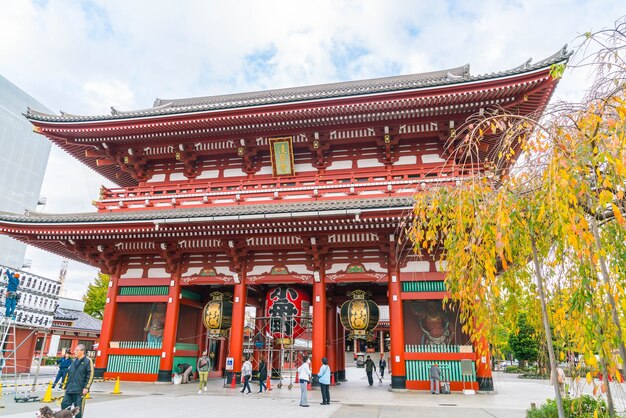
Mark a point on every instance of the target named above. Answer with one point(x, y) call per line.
point(217, 314)
point(359, 315)
point(288, 310)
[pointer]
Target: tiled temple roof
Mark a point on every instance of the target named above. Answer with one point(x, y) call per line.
point(79, 320)
point(161, 107)
point(270, 210)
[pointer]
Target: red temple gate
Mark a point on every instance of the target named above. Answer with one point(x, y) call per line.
point(242, 193)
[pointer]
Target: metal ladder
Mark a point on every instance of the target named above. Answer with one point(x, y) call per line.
point(8, 348)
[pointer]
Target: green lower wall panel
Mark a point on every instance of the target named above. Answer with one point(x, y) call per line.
point(450, 370)
point(188, 360)
point(133, 364)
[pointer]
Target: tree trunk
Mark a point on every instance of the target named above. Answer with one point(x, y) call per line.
point(609, 398)
point(546, 326)
point(607, 282)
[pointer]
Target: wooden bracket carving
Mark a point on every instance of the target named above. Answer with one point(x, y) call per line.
point(171, 254)
point(106, 257)
point(317, 249)
point(248, 151)
point(238, 254)
point(318, 148)
point(187, 154)
point(389, 148)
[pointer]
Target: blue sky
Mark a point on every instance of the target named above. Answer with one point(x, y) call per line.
point(83, 57)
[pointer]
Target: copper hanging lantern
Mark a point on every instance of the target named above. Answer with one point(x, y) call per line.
point(217, 314)
point(359, 315)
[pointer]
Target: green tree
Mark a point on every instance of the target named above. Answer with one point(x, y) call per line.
point(524, 341)
point(95, 297)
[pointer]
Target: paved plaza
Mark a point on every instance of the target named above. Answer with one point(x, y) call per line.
point(353, 398)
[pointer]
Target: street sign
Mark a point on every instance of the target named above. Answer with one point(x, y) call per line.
point(230, 363)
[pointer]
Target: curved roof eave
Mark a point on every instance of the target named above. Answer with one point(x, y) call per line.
point(358, 88)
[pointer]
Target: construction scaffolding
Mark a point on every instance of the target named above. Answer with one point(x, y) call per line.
point(281, 342)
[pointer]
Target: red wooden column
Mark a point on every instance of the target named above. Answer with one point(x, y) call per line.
point(483, 367)
point(319, 323)
point(257, 327)
point(341, 351)
point(381, 342)
point(396, 331)
point(170, 329)
point(106, 332)
point(235, 349)
point(331, 338)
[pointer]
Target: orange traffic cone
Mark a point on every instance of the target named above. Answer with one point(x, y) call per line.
point(233, 384)
point(269, 384)
point(332, 379)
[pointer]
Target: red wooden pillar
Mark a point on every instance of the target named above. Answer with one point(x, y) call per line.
point(201, 333)
point(257, 328)
point(396, 332)
point(341, 350)
point(381, 343)
point(483, 367)
point(331, 337)
point(106, 332)
point(235, 349)
point(170, 329)
point(319, 324)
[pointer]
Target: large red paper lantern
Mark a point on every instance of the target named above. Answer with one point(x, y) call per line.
point(288, 310)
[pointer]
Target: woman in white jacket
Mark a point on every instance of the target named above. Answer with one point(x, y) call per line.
point(304, 373)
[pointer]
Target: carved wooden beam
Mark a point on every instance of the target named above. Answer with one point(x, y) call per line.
point(318, 147)
point(189, 157)
point(171, 253)
point(389, 147)
point(248, 152)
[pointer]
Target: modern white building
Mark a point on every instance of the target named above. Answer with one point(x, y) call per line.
point(23, 160)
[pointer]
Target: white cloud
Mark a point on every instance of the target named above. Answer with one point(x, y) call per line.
point(86, 56)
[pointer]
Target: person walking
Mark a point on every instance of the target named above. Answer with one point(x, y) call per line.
point(435, 378)
point(11, 295)
point(64, 364)
point(203, 367)
point(246, 374)
point(79, 379)
point(324, 379)
point(382, 365)
point(262, 375)
point(560, 377)
point(304, 373)
point(370, 367)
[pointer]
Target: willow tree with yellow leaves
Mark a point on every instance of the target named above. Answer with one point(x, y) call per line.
point(543, 220)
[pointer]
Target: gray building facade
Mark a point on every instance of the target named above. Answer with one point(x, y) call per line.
point(23, 159)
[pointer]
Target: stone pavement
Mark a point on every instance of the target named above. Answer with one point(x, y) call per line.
point(353, 398)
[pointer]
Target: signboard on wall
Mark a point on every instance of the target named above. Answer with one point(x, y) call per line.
point(281, 155)
point(54, 345)
point(230, 363)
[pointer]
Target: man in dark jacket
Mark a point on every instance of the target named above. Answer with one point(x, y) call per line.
point(79, 379)
point(185, 370)
point(64, 364)
point(11, 295)
point(382, 365)
point(369, 369)
point(262, 375)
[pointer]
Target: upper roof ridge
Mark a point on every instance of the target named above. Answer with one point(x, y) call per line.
point(305, 93)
